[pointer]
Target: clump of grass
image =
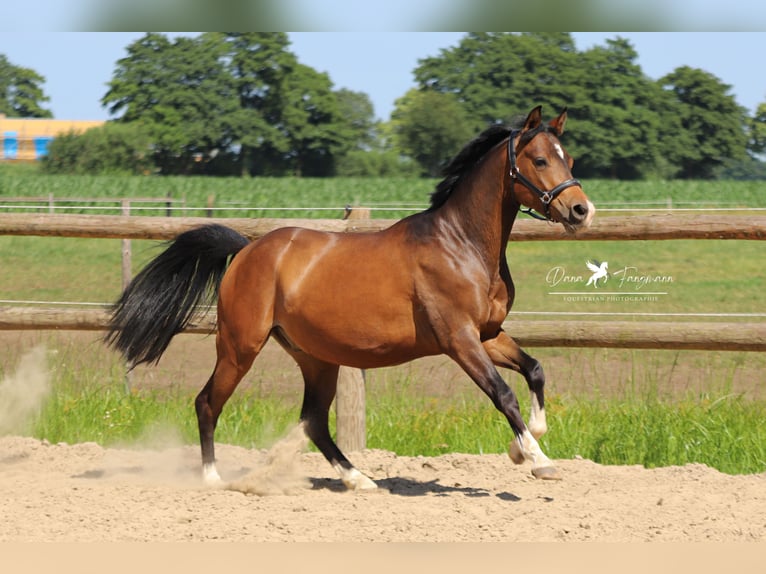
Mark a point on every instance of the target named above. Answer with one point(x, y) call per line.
point(726, 432)
point(411, 426)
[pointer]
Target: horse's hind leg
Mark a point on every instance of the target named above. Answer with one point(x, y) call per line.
point(232, 364)
point(320, 380)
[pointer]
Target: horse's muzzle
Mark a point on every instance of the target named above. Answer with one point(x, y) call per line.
point(576, 216)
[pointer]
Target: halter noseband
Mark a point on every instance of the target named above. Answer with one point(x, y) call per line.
point(546, 197)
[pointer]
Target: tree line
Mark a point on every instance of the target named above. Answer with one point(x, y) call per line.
point(242, 104)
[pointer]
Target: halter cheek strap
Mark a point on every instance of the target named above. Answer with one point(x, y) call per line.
point(546, 197)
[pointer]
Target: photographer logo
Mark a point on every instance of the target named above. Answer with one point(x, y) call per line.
point(626, 283)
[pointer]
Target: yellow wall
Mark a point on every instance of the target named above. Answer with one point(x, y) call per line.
point(27, 129)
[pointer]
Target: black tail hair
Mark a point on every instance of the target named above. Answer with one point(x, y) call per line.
point(162, 299)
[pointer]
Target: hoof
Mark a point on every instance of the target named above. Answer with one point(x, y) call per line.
point(355, 480)
point(364, 484)
point(546, 473)
point(514, 452)
point(210, 476)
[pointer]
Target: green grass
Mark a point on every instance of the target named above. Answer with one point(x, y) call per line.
point(722, 430)
point(64, 269)
point(677, 193)
point(260, 195)
point(711, 276)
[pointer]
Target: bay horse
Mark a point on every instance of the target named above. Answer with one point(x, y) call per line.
point(436, 282)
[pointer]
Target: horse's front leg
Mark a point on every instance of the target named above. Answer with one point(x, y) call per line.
point(477, 362)
point(505, 352)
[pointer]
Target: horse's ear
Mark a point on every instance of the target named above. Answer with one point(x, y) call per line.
point(559, 122)
point(534, 119)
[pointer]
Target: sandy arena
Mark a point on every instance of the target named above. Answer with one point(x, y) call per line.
point(84, 492)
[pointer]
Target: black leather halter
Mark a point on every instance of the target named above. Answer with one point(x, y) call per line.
point(546, 197)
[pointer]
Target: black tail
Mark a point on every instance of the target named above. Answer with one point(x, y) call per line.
point(162, 299)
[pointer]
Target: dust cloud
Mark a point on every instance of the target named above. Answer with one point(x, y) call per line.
point(159, 458)
point(23, 392)
point(280, 473)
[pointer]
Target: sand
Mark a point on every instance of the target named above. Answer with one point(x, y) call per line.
point(85, 492)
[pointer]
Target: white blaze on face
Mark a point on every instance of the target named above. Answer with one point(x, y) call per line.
point(559, 150)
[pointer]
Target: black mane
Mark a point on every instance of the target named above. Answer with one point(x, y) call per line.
point(465, 160)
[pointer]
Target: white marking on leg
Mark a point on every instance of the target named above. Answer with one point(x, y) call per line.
point(353, 479)
point(210, 475)
point(537, 423)
point(532, 451)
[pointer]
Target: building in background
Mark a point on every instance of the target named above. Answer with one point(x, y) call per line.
point(27, 139)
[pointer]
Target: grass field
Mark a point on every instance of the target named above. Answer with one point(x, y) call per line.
point(274, 197)
point(640, 425)
point(624, 417)
point(703, 276)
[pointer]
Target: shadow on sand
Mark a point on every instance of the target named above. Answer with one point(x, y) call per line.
point(401, 486)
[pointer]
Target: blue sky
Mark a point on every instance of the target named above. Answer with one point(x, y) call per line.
point(77, 65)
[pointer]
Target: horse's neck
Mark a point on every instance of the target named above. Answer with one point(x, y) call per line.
point(483, 216)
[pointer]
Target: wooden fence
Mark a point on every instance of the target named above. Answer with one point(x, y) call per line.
point(53, 204)
point(708, 336)
point(618, 228)
point(350, 399)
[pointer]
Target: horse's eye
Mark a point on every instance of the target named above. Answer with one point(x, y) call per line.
point(540, 162)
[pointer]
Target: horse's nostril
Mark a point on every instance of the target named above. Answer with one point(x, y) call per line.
point(579, 211)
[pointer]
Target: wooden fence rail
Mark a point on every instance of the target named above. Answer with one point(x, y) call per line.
point(713, 336)
point(680, 226)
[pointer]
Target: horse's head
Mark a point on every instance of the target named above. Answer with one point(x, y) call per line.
point(541, 173)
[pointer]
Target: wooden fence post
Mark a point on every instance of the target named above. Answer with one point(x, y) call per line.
point(127, 272)
point(127, 275)
point(350, 405)
point(350, 419)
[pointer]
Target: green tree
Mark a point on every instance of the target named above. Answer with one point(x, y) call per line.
point(624, 125)
point(376, 163)
point(180, 93)
point(313, 124)
point(21, 92)
point(289, 119)
point(225, 102)
point(258, 64)
point(710, 116)
point(357, 112)
point(498, 75)
point(114, 148)
point(430, 127)
point(757, 131)
point(614, 106)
